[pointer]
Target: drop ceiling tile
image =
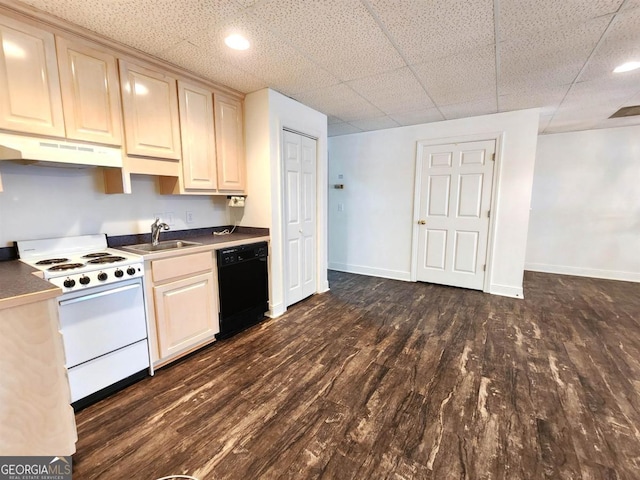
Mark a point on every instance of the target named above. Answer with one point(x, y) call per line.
point(190, 57)
point(393, 92)
point(573, 121)
point(276, 63)
point(590, 103)
point(469, 109)
point(571, 116)
point(621, 44)
point(376, 123)
point(611, 93)
point(148, 25)
point(340, 101)
point(547, 98)
point(521, 18)
point(436, 28)
point(341, 129)
point(622, 121)
point(339, 35)
point(618, 122)
point(548, 58)
point(419, 116)
point(461, 78)
point(631, 4)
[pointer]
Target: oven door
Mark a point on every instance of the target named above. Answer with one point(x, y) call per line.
point(104, 332)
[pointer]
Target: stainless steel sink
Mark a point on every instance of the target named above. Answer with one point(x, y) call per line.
point(168, 245)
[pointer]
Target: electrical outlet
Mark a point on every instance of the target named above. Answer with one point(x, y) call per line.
point(189, 217)
point(168, 218)
point(341, 207)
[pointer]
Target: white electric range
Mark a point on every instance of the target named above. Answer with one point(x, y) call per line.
point(101, 310)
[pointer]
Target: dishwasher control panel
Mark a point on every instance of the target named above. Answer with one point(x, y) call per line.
point(242, 253)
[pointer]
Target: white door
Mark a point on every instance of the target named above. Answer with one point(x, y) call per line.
point(453, 194)
point(300, 216)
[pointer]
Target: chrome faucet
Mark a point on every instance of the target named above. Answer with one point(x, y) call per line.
point(156, 228)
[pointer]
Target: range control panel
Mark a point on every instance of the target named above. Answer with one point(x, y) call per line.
point(94, 278)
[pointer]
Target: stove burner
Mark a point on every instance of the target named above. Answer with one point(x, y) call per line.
point(52, 261)
point(65, 266)
point(96, 255)
point(109, 259)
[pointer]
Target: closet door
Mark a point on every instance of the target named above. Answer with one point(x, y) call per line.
point(300, 215)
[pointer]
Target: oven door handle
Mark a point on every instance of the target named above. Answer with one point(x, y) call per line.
point(99, 294)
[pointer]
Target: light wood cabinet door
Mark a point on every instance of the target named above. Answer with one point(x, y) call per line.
point(198, 137)
point(186, 313)
point(150, 106)
point(230, 143)
point(90, 93)
point(30, 99)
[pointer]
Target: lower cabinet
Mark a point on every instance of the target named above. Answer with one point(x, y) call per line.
point(184, 313)
point(183, 304)
point(36, 417)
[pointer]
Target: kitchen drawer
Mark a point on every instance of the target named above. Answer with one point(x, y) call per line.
point(181, 265)
point(99, 373)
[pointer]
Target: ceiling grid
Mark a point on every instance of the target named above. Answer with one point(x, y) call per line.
point(372, 64)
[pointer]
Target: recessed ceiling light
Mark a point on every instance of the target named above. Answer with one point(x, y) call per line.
point(627, 67)
point(237, 42)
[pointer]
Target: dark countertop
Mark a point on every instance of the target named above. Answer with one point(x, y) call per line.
point(18, 285)
point(207, 243)
point(200, 235)
point(222, 240)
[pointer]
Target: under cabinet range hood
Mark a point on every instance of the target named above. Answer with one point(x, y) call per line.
point(57, 152)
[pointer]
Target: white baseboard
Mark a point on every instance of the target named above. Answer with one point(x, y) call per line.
point(370, 271)
point(276, 310)
point(583, 272)
point(323, 287)
point(506, 291)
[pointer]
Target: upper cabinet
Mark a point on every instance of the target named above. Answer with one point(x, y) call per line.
point(59, 82)
point(230, 143)
point(30, 99)
point(150, 106)
point(212, 156)
point(198, 137)
point(90, 92)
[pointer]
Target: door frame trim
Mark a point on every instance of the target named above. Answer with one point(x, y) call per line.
point(498, 137)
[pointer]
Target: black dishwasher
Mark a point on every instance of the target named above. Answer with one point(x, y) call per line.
point(243, 287)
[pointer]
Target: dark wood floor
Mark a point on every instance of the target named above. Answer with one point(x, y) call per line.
point(386, 379)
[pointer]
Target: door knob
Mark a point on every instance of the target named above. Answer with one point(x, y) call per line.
point(422, 222)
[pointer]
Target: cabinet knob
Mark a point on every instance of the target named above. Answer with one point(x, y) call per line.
point(422, 222)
